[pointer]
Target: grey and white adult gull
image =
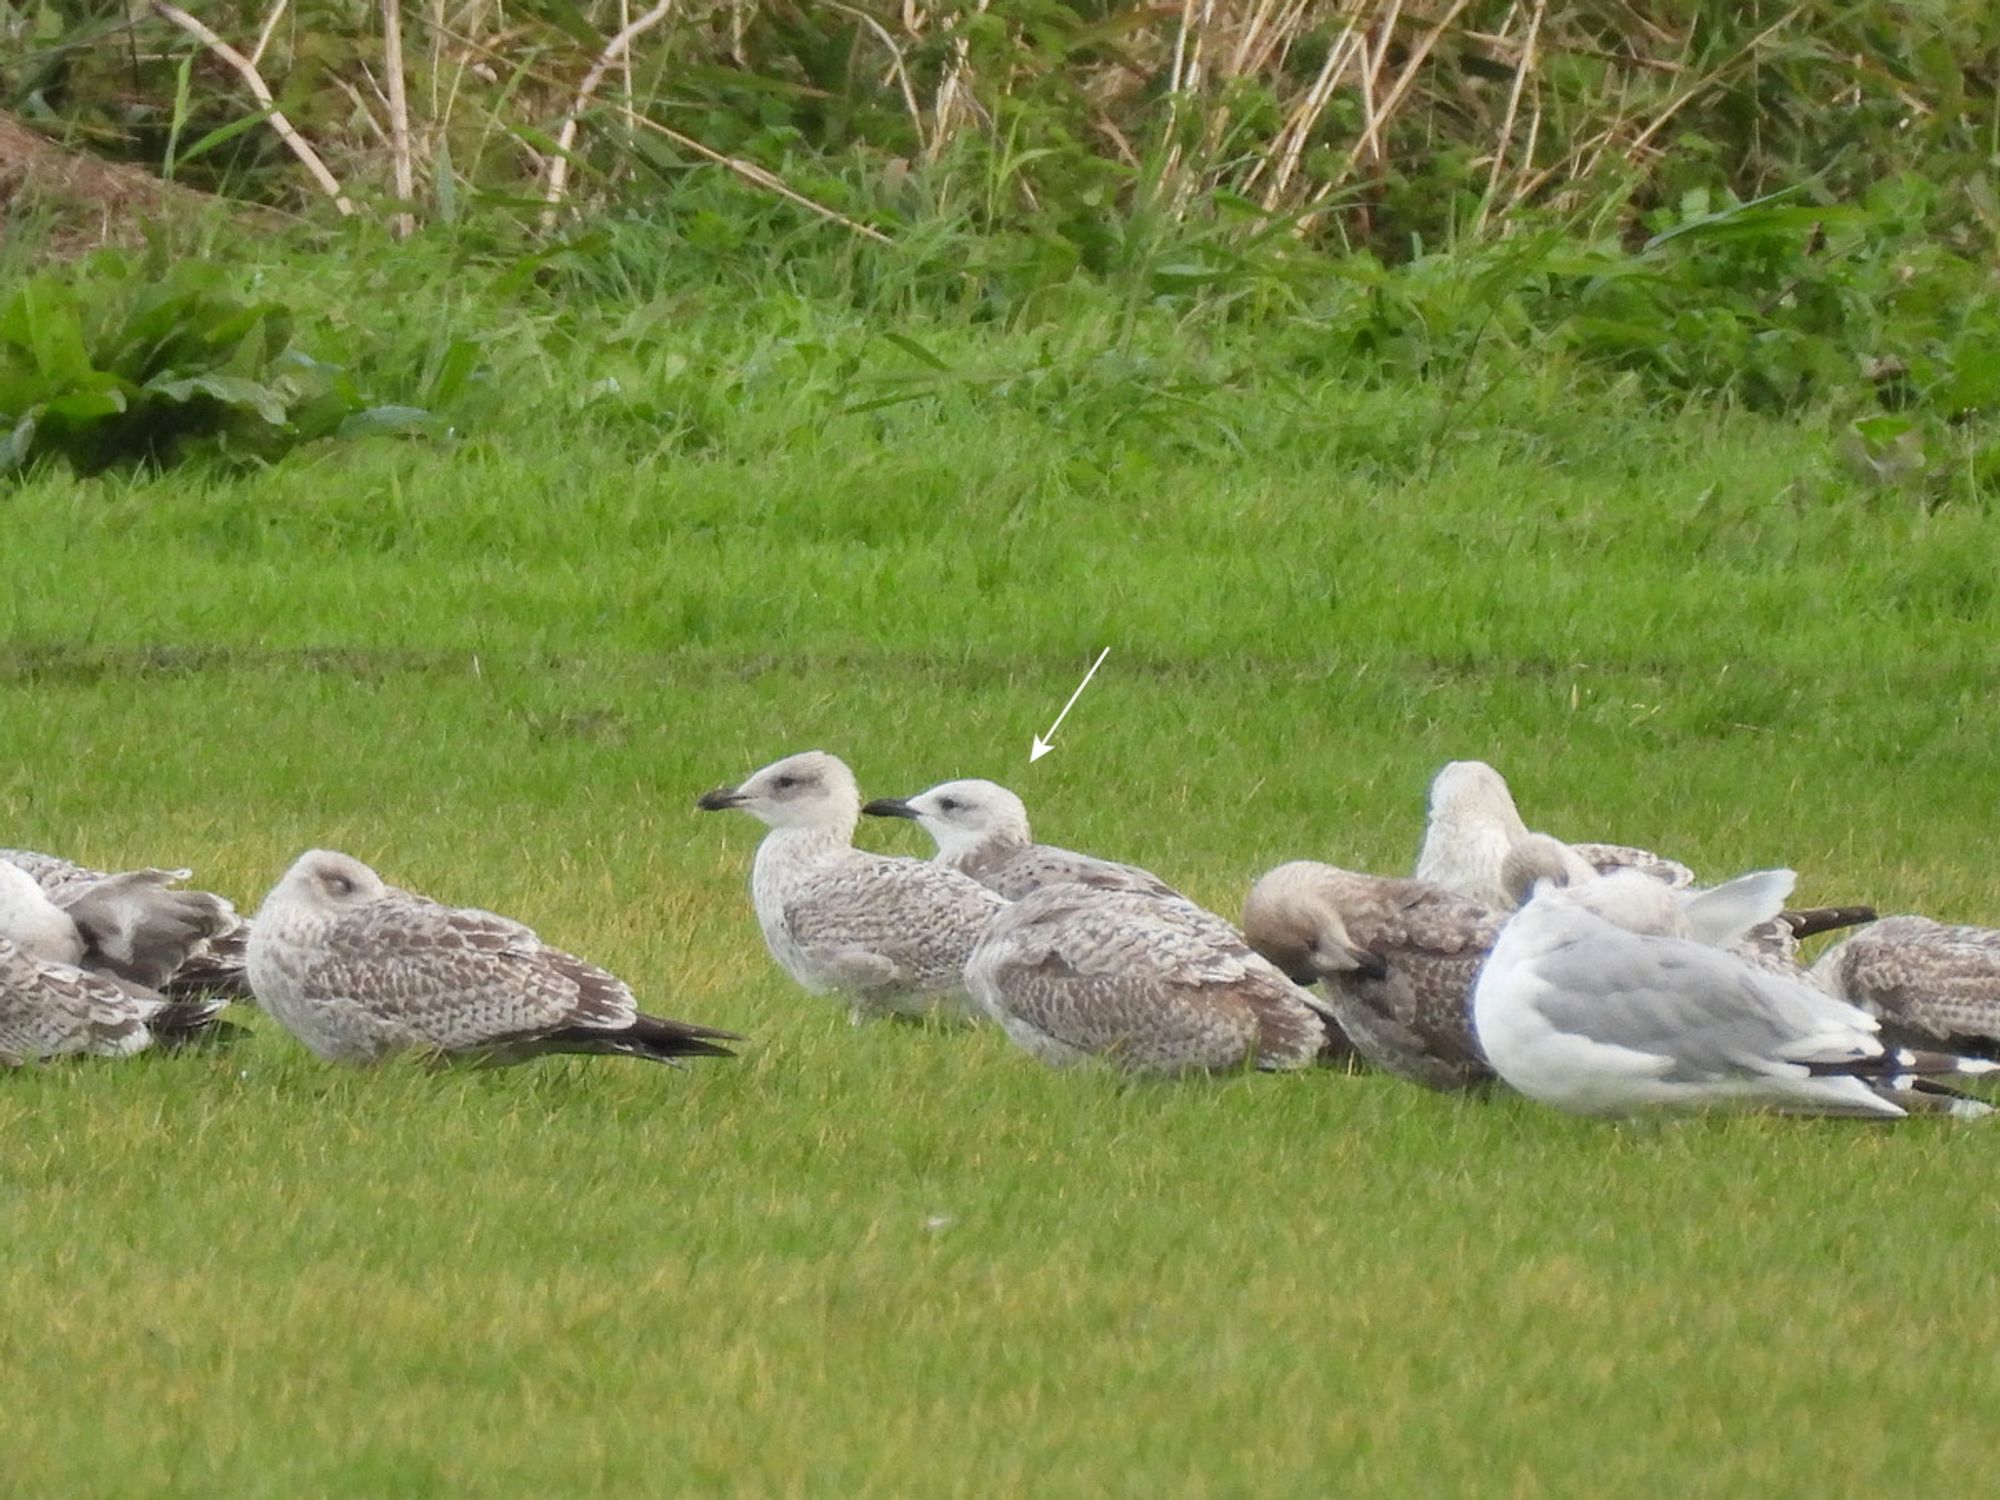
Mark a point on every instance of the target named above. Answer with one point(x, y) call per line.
point(1473, 823)
point(1577, 1009)
point(1146, 985)
point(50, 1007)
point(1396, 960)
point(982, 830)
point(358, 970)
point(888, 934)
point(139, 925)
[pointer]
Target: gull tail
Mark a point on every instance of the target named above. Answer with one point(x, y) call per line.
point(1811, 921)
point(653, 1038)
point(192, 1023)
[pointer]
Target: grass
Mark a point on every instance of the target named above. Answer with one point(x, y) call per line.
point(900, 1261)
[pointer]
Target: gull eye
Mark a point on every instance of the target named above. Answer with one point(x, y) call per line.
point(949, 804)
point(338, 885)
point(784, 783)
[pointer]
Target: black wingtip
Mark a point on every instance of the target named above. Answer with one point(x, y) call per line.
point(1811, 921)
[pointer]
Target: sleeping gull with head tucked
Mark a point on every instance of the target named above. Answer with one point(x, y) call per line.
point(358, 970)
point(50, 1007)
point(1398, 959)
point(1473, 823)
point(1586, 1005)
point(137, 926)
point(889, 934)
point(981, 830)
point(1925, 979)
point(1144, 984)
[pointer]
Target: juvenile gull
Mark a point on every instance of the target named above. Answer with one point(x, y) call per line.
point(1735, 915)
point(1473, 823)
point(1579, 1011)
point(981, 830)
point(357, 970)
point(138, 926)
point(1398, 958)
point(1923, 978)
point(889, 934)
point(51, 1008)
point(1150, 986)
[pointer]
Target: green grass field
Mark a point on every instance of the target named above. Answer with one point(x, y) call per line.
point(897, 1261)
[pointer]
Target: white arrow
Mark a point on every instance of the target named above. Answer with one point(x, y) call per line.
point(1042, 746)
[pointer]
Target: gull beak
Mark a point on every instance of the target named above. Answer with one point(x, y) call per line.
point(889, 807)
point(1369, 965)
point(720, 800)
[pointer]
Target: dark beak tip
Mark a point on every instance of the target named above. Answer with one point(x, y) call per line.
point(889, 807)
point(719, 800)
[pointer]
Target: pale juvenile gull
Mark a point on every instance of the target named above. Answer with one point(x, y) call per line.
point(1579, 1011)
point(1398, 959)
point(1473, 823)
point(358, 970)
point(1734, 915)
point(888, 934)
point(137, 925)
point(50, 1008)
point(981, 830)
point(1145, 984)
point(1922, 978)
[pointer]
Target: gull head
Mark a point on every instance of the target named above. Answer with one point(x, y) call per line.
point(28, 918)
point(808, 790)
point(963, 816)
point(324, 882)
point(1292, 917)
point(1536, 857)
point(1468, 791)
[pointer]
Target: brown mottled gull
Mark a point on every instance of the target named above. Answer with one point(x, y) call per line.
point(1921, 977)
point(981, 830)
point(51, 1008)
point(1398, 959)
point(136, 925)
point(1145, 984)
point(358, 970)
point(890, 935)
point(1474, 823)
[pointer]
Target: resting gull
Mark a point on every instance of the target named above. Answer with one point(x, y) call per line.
point(1150, 986)
point(981, 830)
point(1398, 958)
point(357, 970)
point(138, 926)
point(1579, 1011)
point(1923, 978)
point(890, 934)
point(51, 1008)
point(1473, 824)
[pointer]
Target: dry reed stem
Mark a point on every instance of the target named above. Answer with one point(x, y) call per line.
point(897, 68)
point(566, 137)
point(254, 81)
point(404, 224)
point(1506, 131)
point(267, 31)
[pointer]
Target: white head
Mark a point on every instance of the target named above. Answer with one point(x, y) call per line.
point(28, 918)
point(963, 816)
point(1472, 791)
point(1625, 898)
point(323, 883)
point(1292, 917)
point(808, 790)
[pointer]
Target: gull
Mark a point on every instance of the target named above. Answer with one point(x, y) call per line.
point(1922, 977)
point(1398, 959)
point(1147, 985)
point(137, 926)
point(889, 934)
point(1473, 824)
point(358, 970)
point(1576, 1009)
point(51, 1008)
point(981, 830)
